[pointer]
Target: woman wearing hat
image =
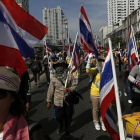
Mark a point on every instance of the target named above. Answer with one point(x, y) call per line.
point(94, 92)
point(12, 122)
point(63, 104)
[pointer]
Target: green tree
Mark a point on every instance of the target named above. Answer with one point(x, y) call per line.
point(116, 40)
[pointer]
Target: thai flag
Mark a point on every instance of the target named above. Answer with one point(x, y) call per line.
point(19, 32)
point(48, 48)
point(99, 44)
point(86, 33)
point(86, 57)
point(107, 96)
point(132, 53)
point(63, 42)
point(123, 56)
point(70, 48)
point(76, 57)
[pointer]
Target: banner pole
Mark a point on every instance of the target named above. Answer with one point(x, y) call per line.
point(120, 122)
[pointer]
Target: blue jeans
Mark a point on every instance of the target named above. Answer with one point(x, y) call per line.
point(127, 89)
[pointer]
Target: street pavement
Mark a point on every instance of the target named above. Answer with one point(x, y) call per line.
point(82, 127)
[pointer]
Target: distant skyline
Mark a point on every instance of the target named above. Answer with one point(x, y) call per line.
point(96, 11)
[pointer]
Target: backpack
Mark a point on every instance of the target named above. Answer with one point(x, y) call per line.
point(34, 66)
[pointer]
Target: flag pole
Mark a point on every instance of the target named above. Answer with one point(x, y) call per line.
point(71, 60)
point(68, 53)
point(120, 122)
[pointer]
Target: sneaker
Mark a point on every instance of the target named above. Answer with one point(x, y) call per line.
point(103, 127)
point(68, 135)
point(97, 125)
point(129, 101)
point(59, 131)
point(125, 94)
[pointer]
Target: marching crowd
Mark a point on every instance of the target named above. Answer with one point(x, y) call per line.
point(15, 93)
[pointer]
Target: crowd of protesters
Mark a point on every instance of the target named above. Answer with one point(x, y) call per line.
point(15, 93)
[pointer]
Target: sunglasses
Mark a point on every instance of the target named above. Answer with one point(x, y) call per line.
point(3, 93)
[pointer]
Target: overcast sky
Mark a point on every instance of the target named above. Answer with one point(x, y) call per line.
point(96, 11)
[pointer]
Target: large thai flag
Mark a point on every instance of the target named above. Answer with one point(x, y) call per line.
point(132, 53)
point(48, 48)
point(19, 32)
point(76, 56)
point(86, 33)
point(107, 96)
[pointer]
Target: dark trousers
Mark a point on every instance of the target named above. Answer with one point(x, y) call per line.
point(136, 100)
point(64, 114)
point(119, 66)
point(47, 76)
point(36, 77)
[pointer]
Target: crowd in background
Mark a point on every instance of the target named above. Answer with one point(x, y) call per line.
point(15, 92)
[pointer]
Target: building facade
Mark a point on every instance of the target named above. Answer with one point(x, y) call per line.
point(117, 10)
point(24, 4)
point(103, 32)
point(122, 31)
point(57, 24)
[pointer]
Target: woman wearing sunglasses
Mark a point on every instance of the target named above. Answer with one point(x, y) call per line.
point(12, 122)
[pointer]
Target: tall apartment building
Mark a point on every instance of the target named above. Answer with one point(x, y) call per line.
point(24, 4)
point(117, 10)
point(57, 24)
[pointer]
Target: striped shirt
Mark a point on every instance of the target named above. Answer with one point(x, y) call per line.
point(56, 89)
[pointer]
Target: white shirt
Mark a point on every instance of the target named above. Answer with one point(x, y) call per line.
point(1, 136)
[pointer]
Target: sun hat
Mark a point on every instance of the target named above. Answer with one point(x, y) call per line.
point(61, 61)
point(8, 80)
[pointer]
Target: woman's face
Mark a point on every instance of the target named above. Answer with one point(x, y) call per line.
point(5, 101)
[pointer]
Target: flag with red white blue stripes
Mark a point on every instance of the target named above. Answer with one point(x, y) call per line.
point(98, 43)
point(19, 33)
point(86, 33)
point(76, 56)
point(132, 53)
point(123, 56)
point(48, 48)
point(107, 96)
point(63, 42)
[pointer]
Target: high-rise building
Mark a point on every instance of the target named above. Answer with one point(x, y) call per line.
point(57, 24)
point(24, 4)
point(117, 10)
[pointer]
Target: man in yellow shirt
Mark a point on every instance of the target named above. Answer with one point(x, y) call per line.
point(94, 92)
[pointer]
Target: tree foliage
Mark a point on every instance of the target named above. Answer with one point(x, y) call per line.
point(116, 40)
